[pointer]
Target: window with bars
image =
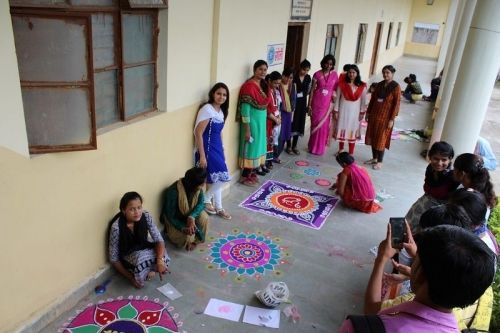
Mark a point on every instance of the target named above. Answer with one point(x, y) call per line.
point(398, 33)
point(84, 68)
point(389, 37)
point(333, 32)
point(360, 45)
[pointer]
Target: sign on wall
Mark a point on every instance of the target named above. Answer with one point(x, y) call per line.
point(425, 33)
point(301, 10)
point(275, 54)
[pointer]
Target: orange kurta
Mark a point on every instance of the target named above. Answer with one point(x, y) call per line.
point(380, 111)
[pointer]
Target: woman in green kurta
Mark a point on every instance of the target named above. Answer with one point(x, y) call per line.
point(254, 97)
point(186, 222)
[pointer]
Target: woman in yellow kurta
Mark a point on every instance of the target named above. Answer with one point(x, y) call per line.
point(382, 109)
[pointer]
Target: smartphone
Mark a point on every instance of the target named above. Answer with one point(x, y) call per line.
point(398, 231)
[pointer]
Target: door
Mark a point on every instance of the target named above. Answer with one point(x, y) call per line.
point(294, 39)
point(376, 44)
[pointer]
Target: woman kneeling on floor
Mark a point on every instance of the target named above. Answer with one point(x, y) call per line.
point(354, 185)
point(186, 222)
point(136, 248)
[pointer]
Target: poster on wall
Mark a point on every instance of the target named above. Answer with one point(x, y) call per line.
point(425, 33)
point(275, 54)
point(301, 10)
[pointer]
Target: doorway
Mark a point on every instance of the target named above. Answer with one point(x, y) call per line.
point(294, 40)
point(376, 44)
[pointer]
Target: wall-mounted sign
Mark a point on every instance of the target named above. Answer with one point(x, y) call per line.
point(275, 54)
point(301, 10)
point(425, 33)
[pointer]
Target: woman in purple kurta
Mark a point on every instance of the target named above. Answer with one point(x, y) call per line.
point(324, 84)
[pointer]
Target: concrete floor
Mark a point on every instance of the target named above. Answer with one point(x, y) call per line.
point(326, 270)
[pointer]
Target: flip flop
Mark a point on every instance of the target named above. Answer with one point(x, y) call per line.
point(377, 166)
point(371, 161)
point(222, 213)
point(209, 208)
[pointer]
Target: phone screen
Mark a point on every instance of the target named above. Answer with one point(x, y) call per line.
point(398, 231)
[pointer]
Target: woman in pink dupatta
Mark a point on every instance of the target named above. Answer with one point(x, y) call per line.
point(324, 83)
point(354, 185)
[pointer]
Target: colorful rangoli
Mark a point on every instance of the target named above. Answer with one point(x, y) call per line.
point(245, 254)
point(133, 315)
point(291, 203)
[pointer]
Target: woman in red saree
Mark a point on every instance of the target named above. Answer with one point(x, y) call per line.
point(354, 185)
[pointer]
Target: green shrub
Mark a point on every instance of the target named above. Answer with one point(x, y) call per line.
point(494, 225)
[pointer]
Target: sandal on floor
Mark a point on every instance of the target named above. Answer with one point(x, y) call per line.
point(377, 166)
point(277, 160)
point(288, 151)
point(222, 213)
point(296, 151)
point(371, 162)
point(209, 208)
point(247, 181)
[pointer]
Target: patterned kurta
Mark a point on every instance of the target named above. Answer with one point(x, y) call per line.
point(139, 262)
point(381, 110)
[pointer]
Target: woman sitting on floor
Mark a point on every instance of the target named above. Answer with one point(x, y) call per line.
point(186, 222)
point(136, 248)
point(354, 185)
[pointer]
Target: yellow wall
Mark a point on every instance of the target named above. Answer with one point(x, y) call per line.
point(423, 13)
point(351, 14)
point(12, 127)
point(55, 207)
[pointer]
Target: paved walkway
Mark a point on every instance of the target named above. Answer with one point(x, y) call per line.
point(326, 270)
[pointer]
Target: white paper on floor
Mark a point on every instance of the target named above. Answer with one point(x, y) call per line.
point(261, 317)
point(169, 291)
point(222, 309)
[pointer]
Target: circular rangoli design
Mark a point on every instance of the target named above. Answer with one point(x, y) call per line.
point(312, 172)
point(301, 163)
point(124, 315)
point(294, 175)
point(322, 182)
point(245, 254)
point(292, 202)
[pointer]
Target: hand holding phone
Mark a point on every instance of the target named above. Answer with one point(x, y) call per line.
point(398, 232)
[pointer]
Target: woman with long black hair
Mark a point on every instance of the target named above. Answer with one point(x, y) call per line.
point(136, 248)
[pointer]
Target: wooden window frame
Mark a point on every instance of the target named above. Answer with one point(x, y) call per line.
point(360, 44)
point(334, 35)
point(153, 62)
point(389, 36)
point(40, 149)
point(398, 33)
point(86, 12)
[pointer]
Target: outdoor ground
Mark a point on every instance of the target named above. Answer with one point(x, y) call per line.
point(326, 270)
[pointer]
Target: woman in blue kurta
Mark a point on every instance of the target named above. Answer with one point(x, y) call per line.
point(209, 148)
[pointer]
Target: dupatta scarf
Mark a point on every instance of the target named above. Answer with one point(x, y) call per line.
point(348, 93)
point(362, 187)
point(252, 93)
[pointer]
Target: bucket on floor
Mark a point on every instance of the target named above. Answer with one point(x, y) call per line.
point(274, 294)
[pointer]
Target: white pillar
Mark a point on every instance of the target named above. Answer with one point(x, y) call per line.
point(462, 23)
point(476, 78)
point(447, 43)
